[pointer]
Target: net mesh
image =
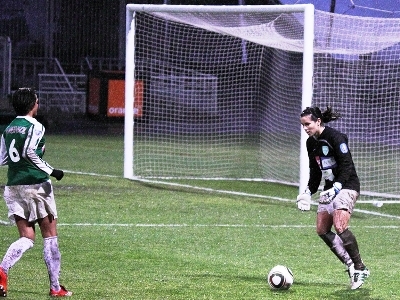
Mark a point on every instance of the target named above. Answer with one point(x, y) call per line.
point(223, 93)
point(357, 72)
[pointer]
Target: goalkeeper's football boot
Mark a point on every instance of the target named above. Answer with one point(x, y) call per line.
point(359, 277)
point(3, 283)
point(63, 292)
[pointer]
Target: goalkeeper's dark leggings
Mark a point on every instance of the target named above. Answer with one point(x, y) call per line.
point(335, 243)
point(351, 246)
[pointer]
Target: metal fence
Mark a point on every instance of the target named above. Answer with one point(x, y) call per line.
point(64, 29)
point(62, 93)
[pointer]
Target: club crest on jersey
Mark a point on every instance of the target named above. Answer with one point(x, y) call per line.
point(343, 148)
point(325, 150)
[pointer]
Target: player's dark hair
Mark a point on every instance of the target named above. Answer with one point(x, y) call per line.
point(23, 100)
point(315, 113)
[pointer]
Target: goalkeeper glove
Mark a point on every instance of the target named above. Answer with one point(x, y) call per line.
point(304, 200)
point(327, 196)
point(58, 174)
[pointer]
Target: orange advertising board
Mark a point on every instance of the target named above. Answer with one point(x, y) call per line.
point(116, 98)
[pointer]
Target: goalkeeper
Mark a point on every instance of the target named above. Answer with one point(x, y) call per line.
point(29, 192)
point(330, 159)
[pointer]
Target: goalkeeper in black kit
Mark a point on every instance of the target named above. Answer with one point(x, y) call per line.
point(330, 159)
point(29, 193)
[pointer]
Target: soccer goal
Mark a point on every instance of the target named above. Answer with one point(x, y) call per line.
point(215, 103)
point(222, 88)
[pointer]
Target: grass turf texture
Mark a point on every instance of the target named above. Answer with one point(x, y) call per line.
point(122, 239)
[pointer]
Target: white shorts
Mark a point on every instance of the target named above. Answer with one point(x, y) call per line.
point(346, 199)
point(30, 202)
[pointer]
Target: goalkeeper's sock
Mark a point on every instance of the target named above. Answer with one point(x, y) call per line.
point(351, 246)
point(334, 242)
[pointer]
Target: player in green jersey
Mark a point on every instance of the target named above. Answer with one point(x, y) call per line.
point(29, 192)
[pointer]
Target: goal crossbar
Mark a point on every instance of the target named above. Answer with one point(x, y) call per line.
point(218, 8)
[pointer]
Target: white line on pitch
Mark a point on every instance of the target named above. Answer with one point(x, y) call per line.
point(376, 213)
point(188, 225)
point(209, 190)
point(212, 225)
point(200, 225)
point(215, 190)
point(247, 194)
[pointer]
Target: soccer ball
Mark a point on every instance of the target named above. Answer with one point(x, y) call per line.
point(280, 278)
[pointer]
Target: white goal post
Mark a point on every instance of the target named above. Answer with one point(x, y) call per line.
point(238, 14)
point(221, 88)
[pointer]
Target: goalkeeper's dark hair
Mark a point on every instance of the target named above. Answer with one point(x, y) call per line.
point(325, 116)
point(23, 100)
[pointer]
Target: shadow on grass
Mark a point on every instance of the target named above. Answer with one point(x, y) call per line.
point(233, 277)
point(344, 293)
point(23, 294)
point(362, 293)
point(341, 294)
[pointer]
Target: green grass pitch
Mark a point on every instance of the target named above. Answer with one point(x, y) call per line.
point(123, 239)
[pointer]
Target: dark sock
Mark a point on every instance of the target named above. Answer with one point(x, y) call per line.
point(351, 246)
point(334, 242)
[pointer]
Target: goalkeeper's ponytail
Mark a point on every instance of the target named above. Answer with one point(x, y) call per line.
point(315, 113)
point(329, 115)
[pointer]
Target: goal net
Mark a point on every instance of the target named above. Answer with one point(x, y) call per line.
point(357, 71)
point(223, 87)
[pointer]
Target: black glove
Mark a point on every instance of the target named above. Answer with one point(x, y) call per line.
point(58, 174)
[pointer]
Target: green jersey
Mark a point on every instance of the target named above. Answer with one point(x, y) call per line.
point(19, 150)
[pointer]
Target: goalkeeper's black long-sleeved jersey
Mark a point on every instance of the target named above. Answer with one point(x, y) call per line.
point(330, 159)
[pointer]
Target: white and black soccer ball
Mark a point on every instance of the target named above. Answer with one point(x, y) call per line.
point(280, 278)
